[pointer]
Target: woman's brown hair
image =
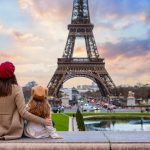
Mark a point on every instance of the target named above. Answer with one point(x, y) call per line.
point(6, 86)
point(39, 108)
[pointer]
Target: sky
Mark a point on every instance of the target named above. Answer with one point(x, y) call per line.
point(33, 35)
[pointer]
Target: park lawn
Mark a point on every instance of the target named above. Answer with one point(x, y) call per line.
point(117, 114)
point(61, 121)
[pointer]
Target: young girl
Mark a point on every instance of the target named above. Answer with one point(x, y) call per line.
point(39, 106)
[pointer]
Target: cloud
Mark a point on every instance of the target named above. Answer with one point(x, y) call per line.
point(114, 9)
point(46, 9)
point(20, 36)
point(80, 52)
point(22, 47)
point(5, 30)
point(110, 26)
point(129, 70)
point(105, 26)
point(27, 69)
point(5, 55)
point(39, 72)
point(128, 61)
point(119, 14)
point(129, 48)
point(27, 37)
point(35, 50)
point(120, 9)
point(36, 45)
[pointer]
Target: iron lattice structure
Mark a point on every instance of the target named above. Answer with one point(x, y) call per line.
point(92, 67)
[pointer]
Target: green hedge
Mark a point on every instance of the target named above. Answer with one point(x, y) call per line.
point(80, 121)
point(112, 114)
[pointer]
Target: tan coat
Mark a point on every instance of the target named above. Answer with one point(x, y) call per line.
point(12, 112)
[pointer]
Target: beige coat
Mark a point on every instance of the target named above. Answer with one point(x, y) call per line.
point(12, 112)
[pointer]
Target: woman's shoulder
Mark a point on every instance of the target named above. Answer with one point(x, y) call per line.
point(16, 87)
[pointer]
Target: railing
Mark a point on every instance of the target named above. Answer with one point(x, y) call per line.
point(80, 60)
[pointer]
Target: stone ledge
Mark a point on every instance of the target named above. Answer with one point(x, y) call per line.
point(130, 146)
point(54, 146)
point(90, 140)
point(128, 137)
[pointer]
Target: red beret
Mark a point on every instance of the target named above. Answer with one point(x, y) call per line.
point(7, 70)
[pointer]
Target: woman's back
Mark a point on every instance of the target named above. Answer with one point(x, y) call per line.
point(10, 119)
point(7, 103)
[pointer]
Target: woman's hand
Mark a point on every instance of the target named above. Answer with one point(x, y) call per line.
point(48, 122)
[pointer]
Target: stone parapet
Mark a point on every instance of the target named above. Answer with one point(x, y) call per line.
point(89, 140)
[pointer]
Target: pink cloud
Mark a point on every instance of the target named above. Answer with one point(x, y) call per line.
point(26, 37)
point(6, 30)
point(5, 55)
point(125, 62)
point(8, 57)
point(44, 9)
point(20, 36)
point(129, 70)
point(126, 47)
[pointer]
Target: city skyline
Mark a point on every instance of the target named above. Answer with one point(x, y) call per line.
point(33, 35)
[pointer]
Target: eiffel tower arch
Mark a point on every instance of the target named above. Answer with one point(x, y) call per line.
point(92, 67)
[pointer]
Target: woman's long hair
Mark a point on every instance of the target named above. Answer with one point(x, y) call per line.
point(6, 85)
point(39, 108)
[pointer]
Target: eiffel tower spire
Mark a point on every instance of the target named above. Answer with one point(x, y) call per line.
point(80, 13)
point(81, 27)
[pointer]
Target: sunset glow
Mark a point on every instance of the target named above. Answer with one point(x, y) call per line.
point(33, 35)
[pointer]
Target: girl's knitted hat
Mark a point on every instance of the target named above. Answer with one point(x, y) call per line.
point(39, 93)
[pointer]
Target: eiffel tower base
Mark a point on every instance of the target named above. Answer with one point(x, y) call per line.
point(81, 67)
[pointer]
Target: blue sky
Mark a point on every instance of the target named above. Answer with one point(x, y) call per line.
point(33, 34)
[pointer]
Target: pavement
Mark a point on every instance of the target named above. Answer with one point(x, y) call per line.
point(73, 124)
point(88, 140)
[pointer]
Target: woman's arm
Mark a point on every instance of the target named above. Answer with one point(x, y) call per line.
point(20, 102)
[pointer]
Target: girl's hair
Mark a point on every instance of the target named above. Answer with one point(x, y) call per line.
point(6, 86)
point(39, 108)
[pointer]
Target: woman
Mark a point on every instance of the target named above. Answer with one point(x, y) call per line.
point(12, 105)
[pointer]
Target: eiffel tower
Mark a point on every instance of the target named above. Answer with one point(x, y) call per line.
point(92, 67)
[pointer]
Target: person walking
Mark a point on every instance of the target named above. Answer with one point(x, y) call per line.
point(12, 105)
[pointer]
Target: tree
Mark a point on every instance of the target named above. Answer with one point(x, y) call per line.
point(149, 94)
point(80, 121)
point(27, 90)
point(140, 90)
point(94, 94)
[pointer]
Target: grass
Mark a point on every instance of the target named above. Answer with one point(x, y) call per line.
point(61, 121)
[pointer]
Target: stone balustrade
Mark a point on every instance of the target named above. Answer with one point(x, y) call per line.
point(90, 140)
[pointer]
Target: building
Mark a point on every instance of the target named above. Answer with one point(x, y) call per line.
point(69, 94)
point(85, 88)
point(27, 90)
